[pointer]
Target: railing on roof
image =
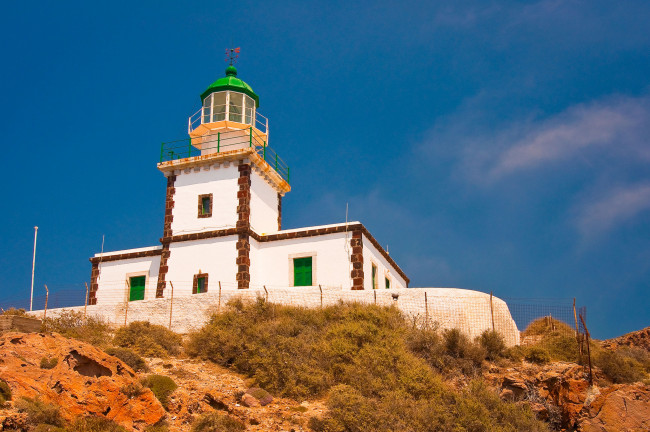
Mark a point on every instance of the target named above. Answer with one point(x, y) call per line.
point(224, 142)
point(225, 112)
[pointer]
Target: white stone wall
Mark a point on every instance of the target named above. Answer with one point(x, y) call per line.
point(113, 277)
point(215, 256)
point(384, 270)
point(444, 308)
point(264, 205)
point(218, 179)
point(272, 262)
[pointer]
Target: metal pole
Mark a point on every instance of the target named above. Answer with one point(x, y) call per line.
point(575, 318)
point(126, 307)
point(591, 376)
point(31, 297)
point(171, 305)
point(86, 302)
point(267, 293)
point(321, 295)
point(426, 311)
point(492, 310)
point(47, 295)
point(219, 304)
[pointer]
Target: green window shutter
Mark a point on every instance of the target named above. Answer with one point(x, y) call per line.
point(374, 276)
point(302, 271)
point(200, 285)
point(136, 291)
point(205, 205)
point(387, 283)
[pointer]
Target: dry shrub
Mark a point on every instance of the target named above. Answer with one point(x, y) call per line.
point(162, 386)
point(374, 365)
point(14, 311)
point(129, 357)
point(5, 392)
point(537, 355)
point(493, 344)
point(149, 340)
point(39, 412)
point(49, 363)
point(72, 324)
point(623, 365)
point(214, 421)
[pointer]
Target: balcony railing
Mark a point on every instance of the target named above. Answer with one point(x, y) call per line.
point(213, 114)
point(222, 142)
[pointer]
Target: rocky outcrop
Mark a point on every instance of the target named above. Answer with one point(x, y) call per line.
point(638, 339)
point(618, 408)
point(83, 380)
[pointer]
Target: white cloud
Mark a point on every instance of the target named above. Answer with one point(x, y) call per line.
point(617, 206)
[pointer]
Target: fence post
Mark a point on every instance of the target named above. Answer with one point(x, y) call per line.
point(171, 305)
point(321, 295)
point(375, 292)
point(578, 338)
point(591, 376)
point(47, 295)
point(126, 307)
point(219, 304)
point(426, 311)
point(492, 310)
point(86, 302)
point(267, 293)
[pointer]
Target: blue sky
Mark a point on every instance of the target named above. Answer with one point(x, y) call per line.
point(492, 145)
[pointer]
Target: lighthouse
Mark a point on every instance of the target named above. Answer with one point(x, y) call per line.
point(222, 223)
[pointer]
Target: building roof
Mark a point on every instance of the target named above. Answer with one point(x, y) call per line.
point(231, 82)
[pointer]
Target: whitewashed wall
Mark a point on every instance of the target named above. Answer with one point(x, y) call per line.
point(113, 275)
point(215, 256)
point(221, 182)
point(272, 262)
point(264, 205)
point(444, 308)
point(372, 256)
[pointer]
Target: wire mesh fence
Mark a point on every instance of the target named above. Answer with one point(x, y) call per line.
point(521, 321)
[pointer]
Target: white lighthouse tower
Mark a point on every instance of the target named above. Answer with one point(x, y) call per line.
point(223, 218)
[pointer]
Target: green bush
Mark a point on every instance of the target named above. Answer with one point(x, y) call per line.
point(49, 363)
point(73, 325)
point(619, 367)
point(149, 340)
point(95, 424)
point(377, 369)
point(493, 343)
point(537, 355)
point(129, 357)
point(39, 412)
point(5, 392)
point(161, 386)
point(212, 422)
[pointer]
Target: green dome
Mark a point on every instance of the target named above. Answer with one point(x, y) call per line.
point(231, 82)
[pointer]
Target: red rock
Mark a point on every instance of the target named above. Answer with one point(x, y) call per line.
point(249, 401)
point(85, 381)
point(623, 407)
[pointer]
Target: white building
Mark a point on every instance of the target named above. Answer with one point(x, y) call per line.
point(223, 218)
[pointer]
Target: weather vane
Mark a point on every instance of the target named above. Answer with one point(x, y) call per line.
point(232, 54)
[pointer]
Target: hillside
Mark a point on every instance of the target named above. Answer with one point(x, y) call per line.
point(264, 367)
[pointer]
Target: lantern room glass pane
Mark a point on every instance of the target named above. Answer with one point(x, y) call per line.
point(218, 106)
point(249, 110)
point(236, 107)
point(207, 112)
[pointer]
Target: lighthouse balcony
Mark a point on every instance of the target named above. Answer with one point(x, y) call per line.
point(227, 141)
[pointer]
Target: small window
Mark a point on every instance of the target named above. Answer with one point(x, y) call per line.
point(200, 284)
point(205, 206)
point(136, 288)
point(387, 283)
point(236, 106)
point(302, 271)
point(218, 106)
point(374, 276)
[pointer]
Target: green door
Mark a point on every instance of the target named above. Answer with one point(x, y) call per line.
point(137, 288)
point(302, 271)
